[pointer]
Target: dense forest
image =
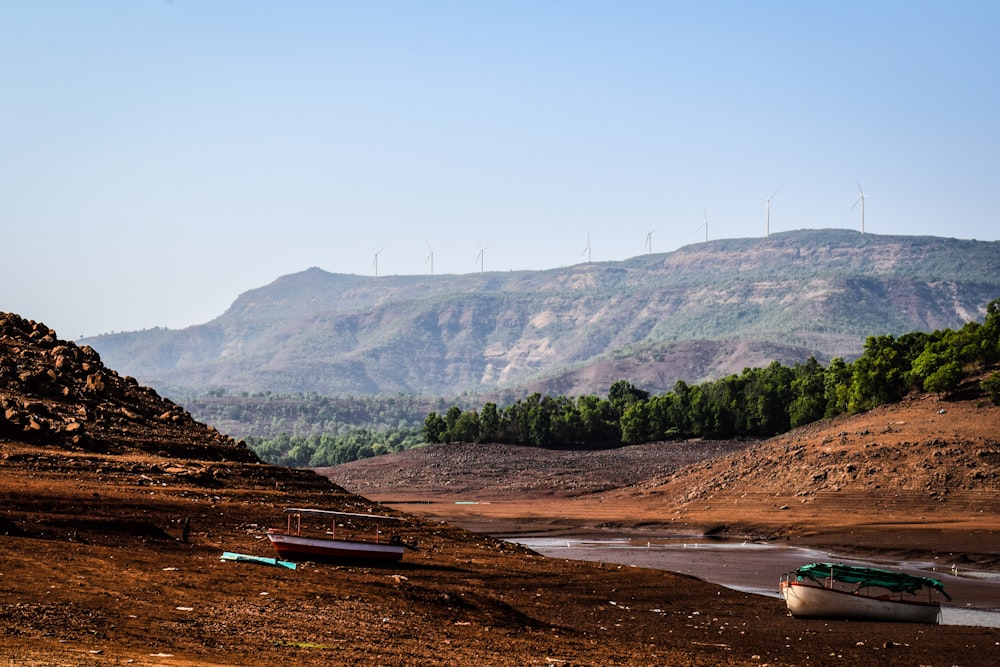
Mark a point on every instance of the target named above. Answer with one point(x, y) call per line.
point(759, 402)
point(316, 431)
point(309, 430)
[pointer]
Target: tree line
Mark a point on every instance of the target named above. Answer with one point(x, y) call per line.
point(759, 402)
point(308, 430)
point(326, 449)
point(269, 414)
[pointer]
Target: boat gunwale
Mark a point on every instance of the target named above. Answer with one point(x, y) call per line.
point(859, 594)
point(334, 513)
point(324, 548)
point(382, 546)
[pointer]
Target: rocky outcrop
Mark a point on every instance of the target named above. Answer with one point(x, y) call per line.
point(55, 393)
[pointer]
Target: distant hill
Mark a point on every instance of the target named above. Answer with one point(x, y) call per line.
point(695, 314)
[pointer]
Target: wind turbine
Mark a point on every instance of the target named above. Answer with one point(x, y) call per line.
point(430, 258)
point(767, 220)
point(706, 225)
point(481, 258)
point(375, 262)
point(861, 198)
point(586, 251)
point(649, 241)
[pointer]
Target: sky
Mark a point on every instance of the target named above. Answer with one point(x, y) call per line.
point(159, 158)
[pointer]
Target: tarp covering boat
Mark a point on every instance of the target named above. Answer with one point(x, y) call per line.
point(897, 582)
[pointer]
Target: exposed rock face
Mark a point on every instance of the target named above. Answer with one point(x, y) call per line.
point(55, 393)
point(695, 314)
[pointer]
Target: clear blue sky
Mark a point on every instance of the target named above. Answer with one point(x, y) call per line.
point(159, 158)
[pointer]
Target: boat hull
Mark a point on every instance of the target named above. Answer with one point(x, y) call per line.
point(297, 547)
point(811, 601)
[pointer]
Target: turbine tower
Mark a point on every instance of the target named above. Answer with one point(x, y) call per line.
point(586, 251)
point(430, 258)
point(706, 225)
point(767, 219)
point(481, 258)
point(649, 241)
point(375, 262)
point(861, 198)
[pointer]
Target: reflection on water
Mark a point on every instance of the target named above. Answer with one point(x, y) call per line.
point(755, 567)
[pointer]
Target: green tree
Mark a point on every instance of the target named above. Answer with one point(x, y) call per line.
point(435, 428)
point(599, 424)
point(837, 386)
point(451, 418)
point(566, 424)
point(623, 394)
point(635, 424)
point(879, 375)
point(661, 412)
point(466, 427)
point(699, 412)
point(989, 335)
point(809, 393)
point(767, 395)
point(945, 379)
point(489, 423)
point(680, 410)
point(991, 386)
point(517, 420)
point(539, 422)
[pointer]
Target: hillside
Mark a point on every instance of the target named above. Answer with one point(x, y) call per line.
point(897, 477)
point(111, 544)
point(694, 314)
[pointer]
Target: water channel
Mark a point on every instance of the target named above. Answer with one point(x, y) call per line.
point(756, 567)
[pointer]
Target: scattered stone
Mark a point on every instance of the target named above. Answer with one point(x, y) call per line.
point(55, 393)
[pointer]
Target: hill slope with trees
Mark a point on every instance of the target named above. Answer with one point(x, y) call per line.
point(696, 314)
point(758, 402)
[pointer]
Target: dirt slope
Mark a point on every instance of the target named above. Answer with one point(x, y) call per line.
point(921, 476)
point(56, 393)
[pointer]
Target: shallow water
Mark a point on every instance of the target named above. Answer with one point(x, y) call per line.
point(756, 567)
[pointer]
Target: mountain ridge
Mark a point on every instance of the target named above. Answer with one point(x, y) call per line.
point(785, 297)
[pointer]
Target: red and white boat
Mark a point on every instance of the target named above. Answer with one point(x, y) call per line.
point(292, 544)
point(833, 590)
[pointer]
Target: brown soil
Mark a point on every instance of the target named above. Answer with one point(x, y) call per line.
point(110, 550)
point(922, 477)
point(95, 571)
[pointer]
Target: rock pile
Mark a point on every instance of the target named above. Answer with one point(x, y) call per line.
point(55, 393)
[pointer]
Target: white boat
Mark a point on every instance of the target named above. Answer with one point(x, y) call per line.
point(834, 590)
point(292, 544)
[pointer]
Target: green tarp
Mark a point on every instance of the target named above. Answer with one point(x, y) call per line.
point(897, 582)
point(264, 560)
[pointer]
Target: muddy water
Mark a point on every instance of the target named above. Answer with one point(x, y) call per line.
point(757, 567)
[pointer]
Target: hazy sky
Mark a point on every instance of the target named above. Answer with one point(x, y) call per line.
point(157, 158)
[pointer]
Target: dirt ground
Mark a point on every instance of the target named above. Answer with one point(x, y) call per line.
point(920, 477)
point(117, 505)
point(94, 570)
